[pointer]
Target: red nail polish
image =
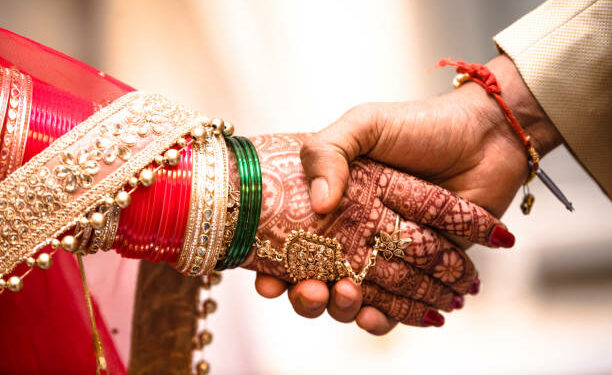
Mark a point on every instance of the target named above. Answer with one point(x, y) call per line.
point(475, 288)
point(501, 237)
point(457, 302)
point(433, 318)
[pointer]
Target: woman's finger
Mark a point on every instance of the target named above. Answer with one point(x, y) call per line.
point(374, 321)
point(309, 298)
point(404, 310)
point(345, 301)
point(427, 204)
point(426, 250)
point(269, 286)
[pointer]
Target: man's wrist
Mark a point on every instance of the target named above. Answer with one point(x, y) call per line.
point(530, 115)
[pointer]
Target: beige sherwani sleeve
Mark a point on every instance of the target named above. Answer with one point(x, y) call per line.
point(563, 50)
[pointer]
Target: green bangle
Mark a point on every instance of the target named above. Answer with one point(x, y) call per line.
point(254, 200)
point(242, 241)
point(244, 203)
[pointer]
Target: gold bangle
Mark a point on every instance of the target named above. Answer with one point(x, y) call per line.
point(231, 220)
point(103, 239)
point(17, 122)
point(219, 205)
point(196, 237)
point(5, 88)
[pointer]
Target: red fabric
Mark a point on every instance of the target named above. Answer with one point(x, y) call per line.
point(484, 77)
point(44, 329)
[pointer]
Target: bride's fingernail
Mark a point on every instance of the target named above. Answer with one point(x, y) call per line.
point(475, 288)
point(457, 302)
point(433, 318)
point(501, 237)
point(319, 189)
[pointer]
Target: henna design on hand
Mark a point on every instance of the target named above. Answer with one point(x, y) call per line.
point(427, 204)
point(433, 270)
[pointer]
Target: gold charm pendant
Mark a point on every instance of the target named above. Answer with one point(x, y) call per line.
point(309, 256)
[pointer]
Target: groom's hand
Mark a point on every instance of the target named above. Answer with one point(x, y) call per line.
point(460, 141)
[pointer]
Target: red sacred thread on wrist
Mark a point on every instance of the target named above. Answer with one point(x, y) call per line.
point(485, 78)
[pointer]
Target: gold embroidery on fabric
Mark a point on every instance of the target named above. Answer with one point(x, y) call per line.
point(48, 195)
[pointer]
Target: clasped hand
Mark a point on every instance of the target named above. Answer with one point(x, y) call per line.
point(434, 273)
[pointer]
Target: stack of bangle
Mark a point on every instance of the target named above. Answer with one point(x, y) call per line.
point(208, 204)
point(250, 203)
point(220, 230)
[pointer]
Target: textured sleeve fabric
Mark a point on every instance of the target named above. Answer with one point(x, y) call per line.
point(563, 50)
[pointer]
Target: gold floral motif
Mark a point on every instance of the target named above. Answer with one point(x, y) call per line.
point(77, 171)
point(115, 141)
point(392, 244)
point(149, 117)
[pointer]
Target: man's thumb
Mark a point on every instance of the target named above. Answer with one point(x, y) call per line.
point(327, 172)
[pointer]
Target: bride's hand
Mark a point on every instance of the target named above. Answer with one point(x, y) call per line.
point(434, 275)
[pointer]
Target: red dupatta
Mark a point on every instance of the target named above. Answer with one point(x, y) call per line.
point(44, 329)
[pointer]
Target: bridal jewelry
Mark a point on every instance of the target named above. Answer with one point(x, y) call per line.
point(391, 245)
point(309, 256)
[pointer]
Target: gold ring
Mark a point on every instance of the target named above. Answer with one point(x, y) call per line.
point(393, 244)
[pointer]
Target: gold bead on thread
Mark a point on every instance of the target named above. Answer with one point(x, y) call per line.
point(15, 284)
point(123, 199)
point(215, 278)
point(172, 156)
point(218, 125)
point(197, 132)
point(204, 338)
point(228, 130)
point(30, 262)
point(146, 177)
point(69, 243)
point(209, 306)
point(132, 181)
point(203, 368)
point(2, 284)
point(44, 261)
point(55, 244)
point(97, 220)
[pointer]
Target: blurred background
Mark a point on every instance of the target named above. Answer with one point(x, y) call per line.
point(545, 306)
